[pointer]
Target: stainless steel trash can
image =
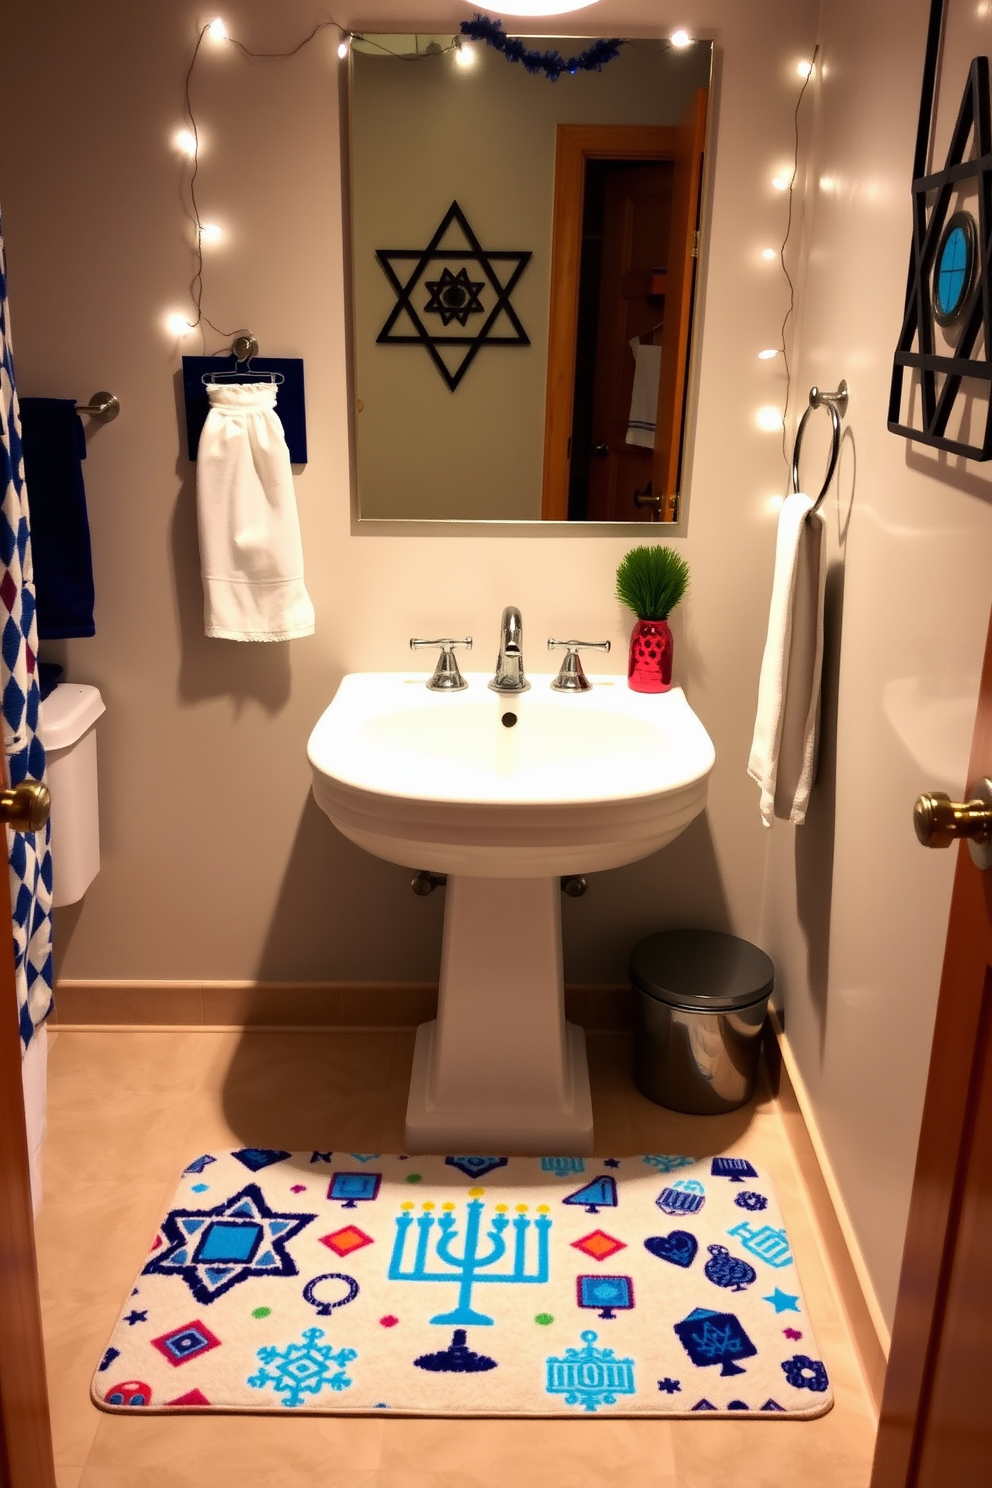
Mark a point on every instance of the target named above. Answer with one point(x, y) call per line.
point(699, 1010)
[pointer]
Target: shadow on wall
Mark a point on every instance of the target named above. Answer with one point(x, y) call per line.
point(814, 843)
point(212, 668)
point(678, 887)
point(343, 915)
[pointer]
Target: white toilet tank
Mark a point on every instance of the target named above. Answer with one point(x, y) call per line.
point(68, 718)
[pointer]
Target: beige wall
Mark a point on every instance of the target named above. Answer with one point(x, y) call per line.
point(216, 863)
point(421, 135)
point(854, 909)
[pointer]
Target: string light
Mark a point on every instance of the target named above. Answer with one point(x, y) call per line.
point(344, 45)
point(464, 53)
point(187, 141)
point(804, 69)
point(680, 39)
point(177, 324)
point(774, 418)
point(210, 232)
point(766, 356)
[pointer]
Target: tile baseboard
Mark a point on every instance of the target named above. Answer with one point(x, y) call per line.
point(287, 1005)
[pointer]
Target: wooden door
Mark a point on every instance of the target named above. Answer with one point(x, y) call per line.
point(637, 221)
point(936, 1423)
point(25, 1432)
point(577, 144)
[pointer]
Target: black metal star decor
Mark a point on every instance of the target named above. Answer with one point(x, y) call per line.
point(950, 277)
point(462, 306)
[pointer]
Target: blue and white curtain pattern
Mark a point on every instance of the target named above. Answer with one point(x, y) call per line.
point(29, 852)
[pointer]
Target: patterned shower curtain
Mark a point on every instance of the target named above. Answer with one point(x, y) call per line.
point(29, 852)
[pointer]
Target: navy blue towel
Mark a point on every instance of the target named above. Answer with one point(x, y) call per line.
point(54, 449)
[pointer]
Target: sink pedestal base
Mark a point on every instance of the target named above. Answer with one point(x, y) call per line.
point(499, 1070)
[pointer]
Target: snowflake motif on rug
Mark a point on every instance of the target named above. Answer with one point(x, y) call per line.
point(589, 1376)
point(29, 853)
point(303, 1369)
point(215, 1249)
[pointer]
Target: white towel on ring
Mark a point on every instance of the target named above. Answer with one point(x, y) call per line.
point(251, 553)
point(783, 750)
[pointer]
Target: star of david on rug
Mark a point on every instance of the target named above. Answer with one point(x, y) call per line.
point(215, 1249)
point(483, 1290)
point(466, 281)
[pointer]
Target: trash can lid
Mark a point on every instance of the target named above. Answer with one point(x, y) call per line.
point(701, 970)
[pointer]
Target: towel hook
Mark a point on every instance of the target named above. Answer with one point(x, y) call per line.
point(244, 348)
point(836, 405)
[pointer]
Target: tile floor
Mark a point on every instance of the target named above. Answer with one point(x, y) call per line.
point(128, 1109)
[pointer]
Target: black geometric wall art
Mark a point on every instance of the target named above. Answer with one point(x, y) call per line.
point(453, 297)
point(950, 276)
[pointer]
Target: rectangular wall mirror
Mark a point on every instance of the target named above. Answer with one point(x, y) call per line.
point(524, 261)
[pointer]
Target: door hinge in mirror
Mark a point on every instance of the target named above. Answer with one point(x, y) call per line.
point(695, 245)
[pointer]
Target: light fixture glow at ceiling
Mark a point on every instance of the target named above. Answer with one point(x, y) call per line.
point(535, 7)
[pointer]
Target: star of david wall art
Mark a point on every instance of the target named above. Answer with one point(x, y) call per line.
point(946, 402)
point(453, 296)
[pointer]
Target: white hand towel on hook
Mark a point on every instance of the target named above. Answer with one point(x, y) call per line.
point(783, 750)
point(251, 554)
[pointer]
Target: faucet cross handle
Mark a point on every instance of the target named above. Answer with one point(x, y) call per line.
point(446, 677)
point(571, 677)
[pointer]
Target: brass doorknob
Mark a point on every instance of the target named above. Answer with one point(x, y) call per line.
point(939, 821)
point(26, 807)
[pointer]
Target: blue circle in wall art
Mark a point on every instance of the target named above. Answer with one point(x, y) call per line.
point(954, 269)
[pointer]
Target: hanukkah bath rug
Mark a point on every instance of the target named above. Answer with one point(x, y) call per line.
point(468, 1286)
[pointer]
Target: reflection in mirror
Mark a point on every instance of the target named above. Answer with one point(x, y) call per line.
point(523, 267)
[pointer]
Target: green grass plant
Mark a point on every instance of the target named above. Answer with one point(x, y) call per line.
point(651, 581)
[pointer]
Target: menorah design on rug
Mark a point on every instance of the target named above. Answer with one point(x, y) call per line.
point(472, 1266)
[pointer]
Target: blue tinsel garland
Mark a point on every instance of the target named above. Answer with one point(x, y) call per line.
point(551, 63)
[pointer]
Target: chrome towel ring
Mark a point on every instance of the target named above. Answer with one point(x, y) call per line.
point(836, 404)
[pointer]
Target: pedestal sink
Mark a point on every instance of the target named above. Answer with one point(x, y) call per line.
point(505, 796)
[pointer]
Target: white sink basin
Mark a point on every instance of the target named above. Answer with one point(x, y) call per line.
point(580, 782)
point(504, 794)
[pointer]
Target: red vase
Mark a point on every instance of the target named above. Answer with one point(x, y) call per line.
point(649, 668)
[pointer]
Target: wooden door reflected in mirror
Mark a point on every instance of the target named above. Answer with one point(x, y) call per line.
point(624, 253)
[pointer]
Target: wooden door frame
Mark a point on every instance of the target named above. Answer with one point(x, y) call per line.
point(943, 1152)
point(25, 1427)
point(576, 145)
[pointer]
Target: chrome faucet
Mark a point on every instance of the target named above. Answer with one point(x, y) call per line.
point(510, 661)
